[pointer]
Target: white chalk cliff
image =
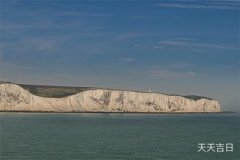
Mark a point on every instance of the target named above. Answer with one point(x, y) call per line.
point(15, 98)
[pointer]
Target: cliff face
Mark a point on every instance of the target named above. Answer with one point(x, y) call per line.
point(15, 98)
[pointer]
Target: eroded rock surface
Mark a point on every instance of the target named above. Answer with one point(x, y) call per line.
point(15, 98)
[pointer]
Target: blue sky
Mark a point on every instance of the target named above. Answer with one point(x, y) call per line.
point(181, 47)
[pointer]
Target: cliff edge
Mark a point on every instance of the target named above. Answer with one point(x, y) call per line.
point(15, 98)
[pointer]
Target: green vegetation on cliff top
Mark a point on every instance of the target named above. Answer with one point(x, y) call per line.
point(63, 91)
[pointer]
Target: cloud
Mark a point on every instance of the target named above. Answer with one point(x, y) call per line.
point(175, 43)
point(52, 18)
point(125, 60)
point(178, 66)
point(167, 73)
point(83, 14)
point(193, 43)
point(207, 4)
point(12, 2)
point(31, 45)
point(185, 39)
point(174, 70)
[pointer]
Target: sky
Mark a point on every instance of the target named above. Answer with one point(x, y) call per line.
point(184, 47)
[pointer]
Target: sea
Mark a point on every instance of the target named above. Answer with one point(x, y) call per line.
point(119, 136)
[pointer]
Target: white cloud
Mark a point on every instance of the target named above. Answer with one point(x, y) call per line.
point(192, 43)
point(208, 4)
point(85, 14)
point(125, 36)
point(127, 60)
point(167, 73)
point(124, 61)
point(174, 70)
point(185, 39)
point(32, 45)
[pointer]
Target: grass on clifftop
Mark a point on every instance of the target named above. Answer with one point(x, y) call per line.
point(53, 91)
point(63, 91)
point(60, 91)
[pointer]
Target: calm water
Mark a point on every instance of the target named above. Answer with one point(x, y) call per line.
point(49, 136)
